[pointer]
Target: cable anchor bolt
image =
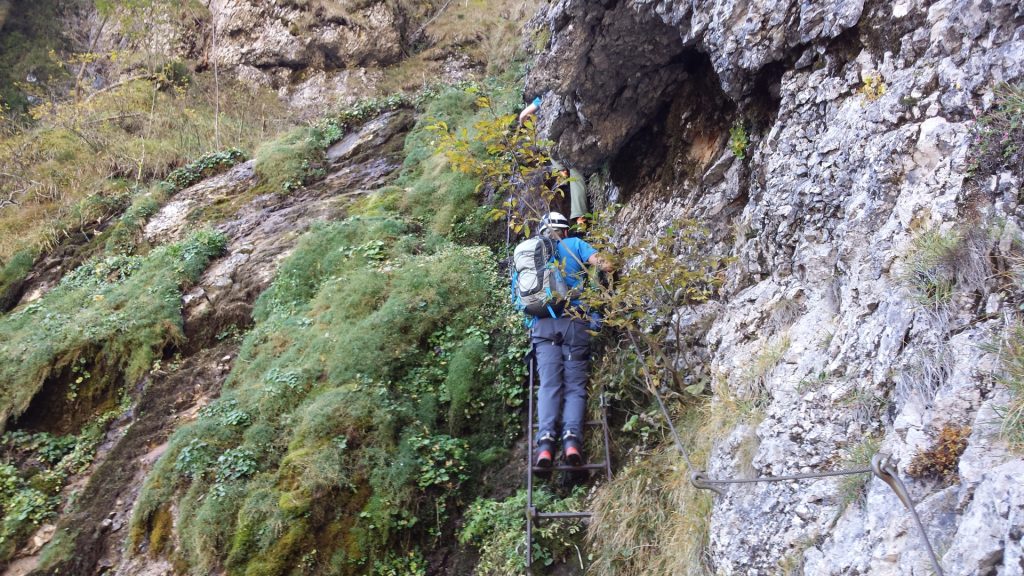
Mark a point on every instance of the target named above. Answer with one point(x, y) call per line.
point(699, 480)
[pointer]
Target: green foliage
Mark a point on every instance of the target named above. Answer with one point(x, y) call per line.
point(998, 139)
point(410, 564)
point(497, 529)
point(667, 271)
point(467, 145)
point(34, 470)
point(119, 312)
point(508, 161)
point(442, 461)
point(331, 129)
point(738, 140)
point(334, 418)
point(204, 167)
point(873, 87)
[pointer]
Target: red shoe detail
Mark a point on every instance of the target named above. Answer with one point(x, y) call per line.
point(544, 459)
point(573, 457)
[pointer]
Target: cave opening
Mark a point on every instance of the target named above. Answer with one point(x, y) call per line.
point(72, 395)
point(682, 138)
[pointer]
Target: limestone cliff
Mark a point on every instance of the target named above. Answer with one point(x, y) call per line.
point(861, 124)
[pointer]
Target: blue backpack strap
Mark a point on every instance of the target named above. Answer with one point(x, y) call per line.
point(515, 281)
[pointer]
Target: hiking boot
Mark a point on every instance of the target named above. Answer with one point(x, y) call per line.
point(544, 457)
point(572, 451)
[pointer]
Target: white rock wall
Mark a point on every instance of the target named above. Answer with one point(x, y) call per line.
point(838, 186)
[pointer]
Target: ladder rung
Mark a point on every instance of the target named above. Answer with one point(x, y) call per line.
point(563, 515)
point(595, 466)
point(587, 423)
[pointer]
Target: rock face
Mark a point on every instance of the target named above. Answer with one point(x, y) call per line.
point(316, 53)
point(860, 120)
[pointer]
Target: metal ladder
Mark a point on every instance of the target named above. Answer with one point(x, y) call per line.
point(532, 514)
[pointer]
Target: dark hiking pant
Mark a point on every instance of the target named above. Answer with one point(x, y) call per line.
point(562, 348)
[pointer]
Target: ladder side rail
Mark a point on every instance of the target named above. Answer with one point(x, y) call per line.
point(530, 359)
point(607, 438)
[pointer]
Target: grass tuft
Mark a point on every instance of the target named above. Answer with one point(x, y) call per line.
point(1010, 352)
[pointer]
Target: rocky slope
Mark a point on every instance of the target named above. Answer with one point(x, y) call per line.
point(859, 116)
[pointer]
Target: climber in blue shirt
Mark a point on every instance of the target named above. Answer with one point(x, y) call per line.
point(562, 349)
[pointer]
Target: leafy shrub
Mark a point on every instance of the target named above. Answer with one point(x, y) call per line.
point(497, 529)
point(35, 468)
point(204, 167)
point(873, 87)
point(738, 140)
point(333, 128)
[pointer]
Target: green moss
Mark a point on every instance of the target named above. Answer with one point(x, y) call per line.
point(161, 531)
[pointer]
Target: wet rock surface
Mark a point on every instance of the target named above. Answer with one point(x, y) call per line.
point(860, 118)
point(264, 231)
point(166, 399)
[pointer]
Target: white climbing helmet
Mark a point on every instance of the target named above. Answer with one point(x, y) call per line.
point(554, 220)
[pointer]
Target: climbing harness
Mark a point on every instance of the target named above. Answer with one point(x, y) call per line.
point(534, 516)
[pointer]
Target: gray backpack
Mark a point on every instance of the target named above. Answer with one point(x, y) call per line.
point(538, 286)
